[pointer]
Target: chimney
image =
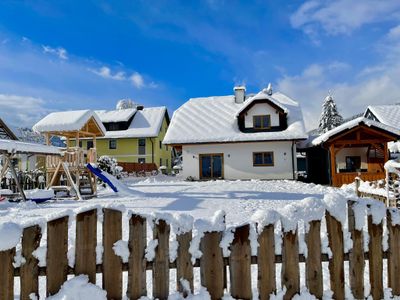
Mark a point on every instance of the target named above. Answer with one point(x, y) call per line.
point(239, 93)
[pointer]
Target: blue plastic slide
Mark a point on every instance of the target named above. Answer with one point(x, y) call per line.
point(99, 173)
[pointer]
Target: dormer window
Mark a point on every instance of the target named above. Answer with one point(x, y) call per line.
point(262, 122)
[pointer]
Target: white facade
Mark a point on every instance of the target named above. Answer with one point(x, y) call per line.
point(261, 109)
point(356, 151)
point(238, 159)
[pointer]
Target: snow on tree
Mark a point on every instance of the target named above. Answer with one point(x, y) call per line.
point(109, 165)
point(125, 104)
point(330, 117)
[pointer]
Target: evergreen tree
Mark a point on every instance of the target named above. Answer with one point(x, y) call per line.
point(330, 117)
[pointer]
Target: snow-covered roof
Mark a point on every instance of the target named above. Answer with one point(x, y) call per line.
point(213, 120)
point(351, 124)
point(11, 146)
point(119, 115)
point(66, 121)
point(386, 114)
point(145, 123)
point(263, 95)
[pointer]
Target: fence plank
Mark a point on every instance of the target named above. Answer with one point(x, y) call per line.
point(30, 270)
point(86, 242)
point(266, 262)
point(336, 263)
point(56, 260)
point(161, 261)
point(184, 267)
point(314, 280)
point(290, 264)
point(375, 258)
point(112, 264)
point(393, 255)
point(356, 256)
point(7, 274)
point(240, 264)
point(212, 264)
point(137, 261)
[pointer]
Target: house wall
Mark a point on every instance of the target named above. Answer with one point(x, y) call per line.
point(238, 160)
point(356, 151)
point(261, 109)
point(128, 150)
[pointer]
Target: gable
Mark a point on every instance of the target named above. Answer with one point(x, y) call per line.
point(5, 132)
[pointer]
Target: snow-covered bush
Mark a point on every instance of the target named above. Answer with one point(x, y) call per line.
point(109, 165)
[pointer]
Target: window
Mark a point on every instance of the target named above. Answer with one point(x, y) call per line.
point(80, 144)
point(142, 146)
point(353, 163)
point(160, 144)
point(89, 145)
point(262, 122)
point(142, 160)
point(113, 127)
point(160, 162)
point(112, 144)
point(261, 159)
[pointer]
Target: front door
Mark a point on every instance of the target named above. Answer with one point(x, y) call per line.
point(211, 166)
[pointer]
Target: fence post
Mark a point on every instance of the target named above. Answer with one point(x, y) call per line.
point(313, 261)
point(137, 261)
point(161, 261)
point(7, 274)
point(240, 264)
point(357, 181)
point(336, 263)
point(57, 260)
point(290, 264)
point(30, 270)
point(86, 242)
point(212, 264)
point(356, 255)
point(112, 264)
point(184, 267)
point(375, 258)
point(393, 254)
point(266, 262)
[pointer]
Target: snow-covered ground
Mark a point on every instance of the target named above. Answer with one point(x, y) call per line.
point(240, 200)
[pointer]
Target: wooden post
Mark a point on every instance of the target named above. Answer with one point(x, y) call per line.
point(393, 254)
point(240, 264)
point(30, 270)
point(266, 262)
point(314, 279)
point(290, 264)
point(14, 174)
point(161, 261)
point(375, 258)
point(112, 264)
point(7, 274)
point(184, 267)
point(137, 261)
point(57, 248)
point(47, 135)
point(357, 181)
point(212, 264)
point(86, 243)
point(336, 263)
point(333, 163)
point(356, 256)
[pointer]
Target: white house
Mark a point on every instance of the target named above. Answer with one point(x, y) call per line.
point(238, 136)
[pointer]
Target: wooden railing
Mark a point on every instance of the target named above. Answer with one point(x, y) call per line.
point(74, 157)
point(339, 179)
point(212, 264)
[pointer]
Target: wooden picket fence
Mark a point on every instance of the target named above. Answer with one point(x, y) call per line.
point(212, 264)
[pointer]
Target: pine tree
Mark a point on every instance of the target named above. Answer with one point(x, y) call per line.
point(330, 117)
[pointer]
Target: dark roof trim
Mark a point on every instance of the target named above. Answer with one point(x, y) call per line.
point(8, 131)
point(258, 101)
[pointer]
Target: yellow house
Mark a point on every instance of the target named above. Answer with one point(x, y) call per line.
point(134, 135)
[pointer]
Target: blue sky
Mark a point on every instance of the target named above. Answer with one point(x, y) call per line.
point(58, 55)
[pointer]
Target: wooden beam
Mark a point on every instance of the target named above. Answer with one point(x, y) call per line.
point(340, 148)
point(361, 142)
point(47, 138)
point(14, 174)
point(333, 161)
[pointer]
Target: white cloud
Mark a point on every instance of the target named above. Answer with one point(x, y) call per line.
point(22, 111)
point(394, 33)
point(343, 16)
point(60, 52)
point(137, 80)
point(105, 72)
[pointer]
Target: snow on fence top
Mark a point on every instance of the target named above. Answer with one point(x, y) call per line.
point(10, 146)
point(213, 119)
point(351, 124)
point(68, 121)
